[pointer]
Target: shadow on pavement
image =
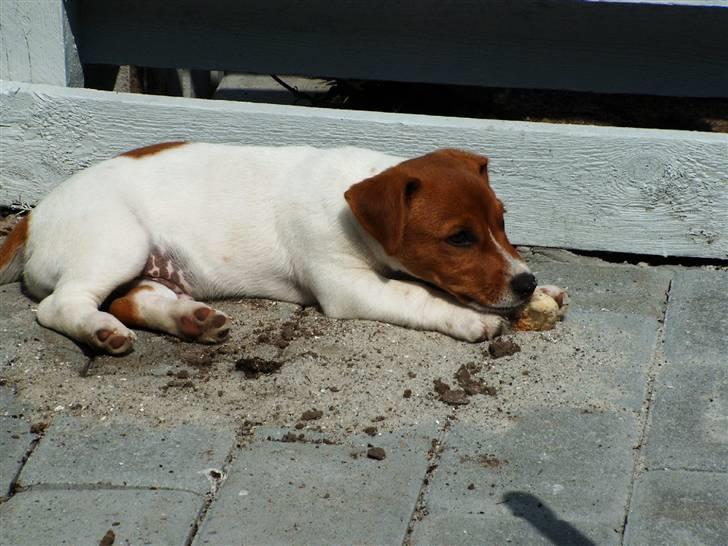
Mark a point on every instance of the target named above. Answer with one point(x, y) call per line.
point(535, 511)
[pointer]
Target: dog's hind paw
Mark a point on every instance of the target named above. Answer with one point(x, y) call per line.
point(113, 341)
point(204, 325)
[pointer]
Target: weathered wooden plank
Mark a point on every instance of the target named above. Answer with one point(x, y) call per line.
point(37, 43)
point(596, 188)
point(657, 47)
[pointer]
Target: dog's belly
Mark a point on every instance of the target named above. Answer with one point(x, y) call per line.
point(225, 279)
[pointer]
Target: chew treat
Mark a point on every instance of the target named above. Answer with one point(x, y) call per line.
point(546, 307)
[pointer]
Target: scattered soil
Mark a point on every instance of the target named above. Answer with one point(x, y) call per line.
point(407, 393)
point(371, 430)
point(311, 415)
point(293, 437)
point(489, 460)
point(471, 486)
point(376, 453)
point(470, 384)
point(503, 347)
point(39, 427)
point(254, 367)
point(448, 395)
point(108, 539)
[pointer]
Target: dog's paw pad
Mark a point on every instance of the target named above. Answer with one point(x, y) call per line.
point(205, 325)
point(113, 342)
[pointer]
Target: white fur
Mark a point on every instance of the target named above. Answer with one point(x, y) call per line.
point(247, 221)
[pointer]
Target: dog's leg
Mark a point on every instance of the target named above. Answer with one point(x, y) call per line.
point(368, 295)
point(151, 305)
point(72, 309)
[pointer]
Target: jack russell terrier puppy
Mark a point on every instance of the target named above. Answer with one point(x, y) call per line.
point(147, 234)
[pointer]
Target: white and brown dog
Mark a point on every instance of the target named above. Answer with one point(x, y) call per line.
point(149, 233)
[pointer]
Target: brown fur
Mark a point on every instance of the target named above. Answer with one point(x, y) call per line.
point(125, 308)
point(412, 209)
point(14, 242)
point(152, 149)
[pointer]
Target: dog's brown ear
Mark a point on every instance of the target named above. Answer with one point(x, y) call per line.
point(380, 206)
point(478, 161)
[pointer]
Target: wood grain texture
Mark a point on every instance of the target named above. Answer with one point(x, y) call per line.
point(594, 188)
point(36, 43)
point(661, 48)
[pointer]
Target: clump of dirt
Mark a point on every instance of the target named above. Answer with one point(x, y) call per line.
point(376, 453)
point(407, 393)
point(470, 384)
point(108, 539)
point(254, 367)
point(311, 415)
point(503, 347)
point(448, 395)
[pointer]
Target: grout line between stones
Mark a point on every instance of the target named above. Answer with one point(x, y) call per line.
point(14, 482)
point(241, 437)
point(658, 357)
point(419, 510)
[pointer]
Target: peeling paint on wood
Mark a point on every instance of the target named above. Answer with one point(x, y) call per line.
point(593, 188)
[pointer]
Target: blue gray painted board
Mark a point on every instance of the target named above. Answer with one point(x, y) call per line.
point(662, 48)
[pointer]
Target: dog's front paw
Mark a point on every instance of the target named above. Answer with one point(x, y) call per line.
point(478, 327)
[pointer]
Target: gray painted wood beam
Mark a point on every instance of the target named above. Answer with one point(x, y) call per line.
point(36, 43)
point(583, 187)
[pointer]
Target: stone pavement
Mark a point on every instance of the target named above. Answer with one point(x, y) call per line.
point(612, 429)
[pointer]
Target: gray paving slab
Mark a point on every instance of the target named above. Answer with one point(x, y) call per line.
point(84, 517)
point(555, 476)
point(689, 416)
point(82, 452)
point(10, 406)
point(23, 338)
point(298, 493)
point(679, 508)
point(596, 285)
point(15, 442)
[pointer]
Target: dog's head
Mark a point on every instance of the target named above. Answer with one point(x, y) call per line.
point(438, 216)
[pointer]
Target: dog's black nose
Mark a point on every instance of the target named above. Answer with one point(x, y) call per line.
point(523, 284)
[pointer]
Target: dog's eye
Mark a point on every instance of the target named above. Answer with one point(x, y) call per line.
point(461, 238)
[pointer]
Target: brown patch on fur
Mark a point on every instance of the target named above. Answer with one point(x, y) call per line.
point(14, 242)
point(126, 310)
point(414, 207)
point(152, 149)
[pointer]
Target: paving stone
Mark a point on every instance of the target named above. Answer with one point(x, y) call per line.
point(677, 507)
point(554, 477)
point(23, 339)
point(594, 285)
point(15, 441)
point(299, 493)
point(75, 452)
point(83, 517)
point(9, 404)
point(689, 417)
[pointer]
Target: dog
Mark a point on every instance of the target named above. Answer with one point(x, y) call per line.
point(141, 240)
